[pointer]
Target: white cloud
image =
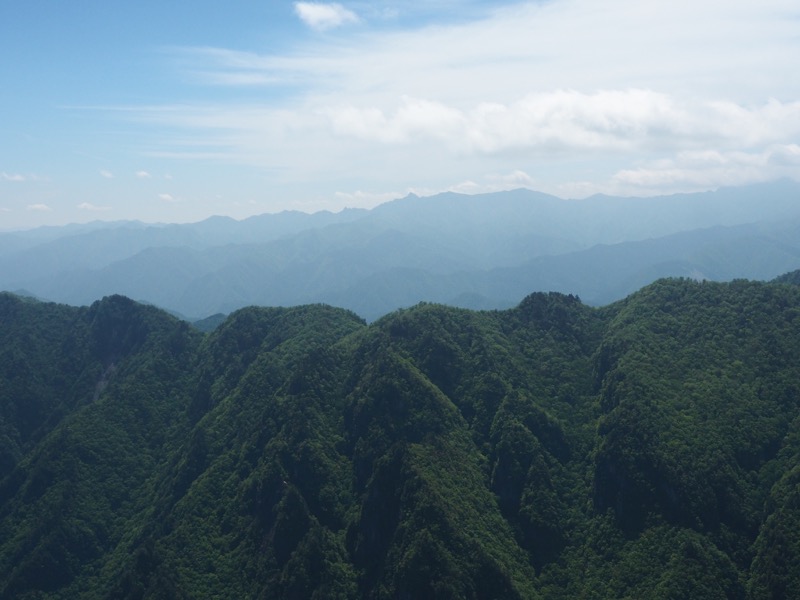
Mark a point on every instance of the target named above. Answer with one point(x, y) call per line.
point(143, 175)
point(106, 174)
point(513, 180)
point(363, 199)
point(711, 168)
point(492, 182)
point(787, 155)
point(576, 96)
point(466, 187)
point(39, 207)
point(322, 16)
point(167, 198)
point(225, 67)
point(412, 119)
point(574, 122)
point(93, 208)
point(15, 177)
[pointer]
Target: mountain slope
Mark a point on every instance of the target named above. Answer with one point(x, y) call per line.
point(114, 414)
point(553, 450)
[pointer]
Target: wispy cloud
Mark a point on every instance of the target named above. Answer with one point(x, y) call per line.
point(92, 207)
point(322, 16)
point(689, 170)
point(365, 199)
point(15, 177)
point(106, 174)
point(143, 175)
point(39, 207)
point(490, 182)
point(167, 198)
point(535, 88)
point(226, 67)
point(562, 122)
point(626, 120)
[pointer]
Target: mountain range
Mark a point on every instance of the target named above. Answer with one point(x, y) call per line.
point(481, 251)
point(649, 448)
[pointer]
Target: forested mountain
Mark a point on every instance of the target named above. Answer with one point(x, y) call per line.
point(646, 449)
point(482, 251)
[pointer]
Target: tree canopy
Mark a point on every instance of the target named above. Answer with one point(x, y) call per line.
point(649, 448)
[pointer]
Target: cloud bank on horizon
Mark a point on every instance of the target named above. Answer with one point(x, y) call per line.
point(326, 105)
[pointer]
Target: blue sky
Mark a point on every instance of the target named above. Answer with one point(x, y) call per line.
point(172, 112)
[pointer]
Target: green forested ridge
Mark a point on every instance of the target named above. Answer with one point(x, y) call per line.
point(792, 278)
point(647, 449)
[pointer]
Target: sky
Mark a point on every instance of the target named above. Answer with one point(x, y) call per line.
point(176, 111)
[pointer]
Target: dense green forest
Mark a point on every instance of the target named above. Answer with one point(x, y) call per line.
point(646, 449)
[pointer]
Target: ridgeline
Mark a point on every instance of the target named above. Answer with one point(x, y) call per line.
point(646, 449)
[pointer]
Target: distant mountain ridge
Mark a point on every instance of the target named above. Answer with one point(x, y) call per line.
point(486, 250)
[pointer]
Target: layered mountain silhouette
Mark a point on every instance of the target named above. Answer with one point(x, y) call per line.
point(482, 251)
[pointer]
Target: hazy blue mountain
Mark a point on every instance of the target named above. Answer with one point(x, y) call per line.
point(595, 220)
point(606, 273)
point(481, 251)
point(49, 250)
point(260, 228)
